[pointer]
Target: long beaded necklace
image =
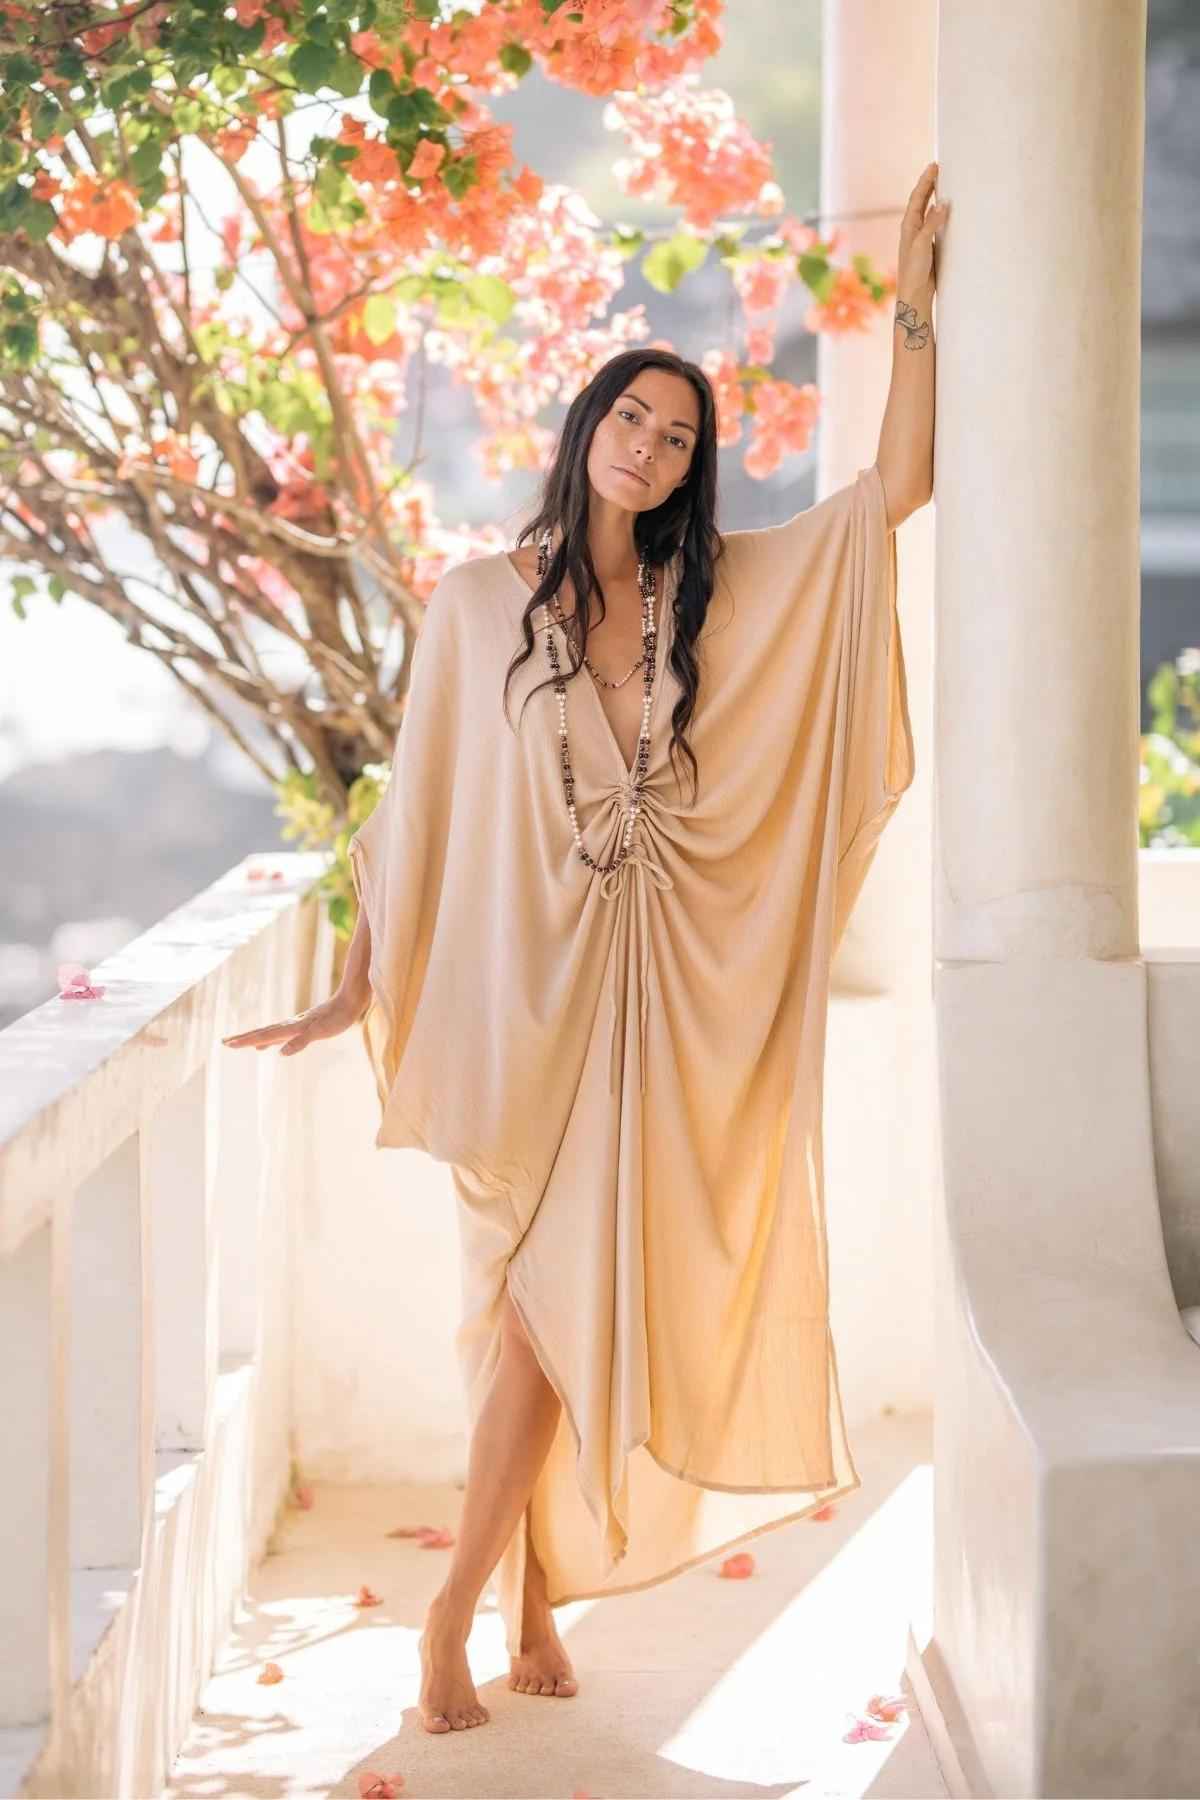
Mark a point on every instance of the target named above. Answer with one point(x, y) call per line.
point(642, 764)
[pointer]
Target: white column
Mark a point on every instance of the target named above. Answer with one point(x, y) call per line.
point(107, 1365)
point(1067, 1411)
point(176, 1169)
point(34, 1554)
point(1040, 124)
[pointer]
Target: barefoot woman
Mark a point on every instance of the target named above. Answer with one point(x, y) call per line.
point(641, 776)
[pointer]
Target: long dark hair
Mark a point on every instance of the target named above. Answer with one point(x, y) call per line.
point(685, 521)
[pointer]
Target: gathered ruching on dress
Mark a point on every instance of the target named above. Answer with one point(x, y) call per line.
point(641, 865)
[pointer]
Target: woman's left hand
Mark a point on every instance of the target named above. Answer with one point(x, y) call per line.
point(915, 273)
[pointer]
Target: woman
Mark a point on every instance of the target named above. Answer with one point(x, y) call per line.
point(598, 990)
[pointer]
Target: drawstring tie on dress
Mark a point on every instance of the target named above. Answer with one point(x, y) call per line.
point(612, 885)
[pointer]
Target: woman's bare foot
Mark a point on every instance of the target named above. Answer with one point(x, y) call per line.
point(543, 1667)
point(448, 1700)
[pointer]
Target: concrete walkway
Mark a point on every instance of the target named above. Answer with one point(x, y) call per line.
point(696, 1687)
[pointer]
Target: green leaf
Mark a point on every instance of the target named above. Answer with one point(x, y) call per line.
point(460, 175)
point(24, 585)
point(402, 114)
point(46, 117)
point(39, 220)
point(312, 66)
point(516, 59)
point(379, 318)
point(146, 159)
point(347, 76)
point(381, 89)
point(627, 240)
point(57, 588)
point(20, 71)
point(817, 274)
point(492, 296)
point(666, 264)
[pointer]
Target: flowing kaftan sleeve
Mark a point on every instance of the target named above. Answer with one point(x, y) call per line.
point(844, 557)
point(398, 855)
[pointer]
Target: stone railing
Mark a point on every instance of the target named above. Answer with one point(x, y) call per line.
point(144, 1332)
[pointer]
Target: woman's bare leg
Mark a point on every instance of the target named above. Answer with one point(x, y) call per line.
point(543, 1666)
point(510, 1442)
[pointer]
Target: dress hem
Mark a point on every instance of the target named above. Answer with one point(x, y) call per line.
point(742, 1537)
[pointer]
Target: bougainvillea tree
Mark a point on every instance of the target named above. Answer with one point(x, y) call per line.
point(234, 237)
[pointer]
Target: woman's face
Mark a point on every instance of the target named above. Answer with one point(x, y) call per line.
point(651, 431)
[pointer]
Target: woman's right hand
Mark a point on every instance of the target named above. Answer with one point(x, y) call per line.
point(328, 1019)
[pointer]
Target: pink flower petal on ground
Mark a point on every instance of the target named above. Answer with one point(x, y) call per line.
point(304, 1497)
point(828, 1511)
point(366, 1598)
point(374, 1786)
point(887, 1706)
point(271, 1672)
point(74, 983)
point(413, 1530)
point(736, 1568)
point(437, 1540)
point(864, 1729)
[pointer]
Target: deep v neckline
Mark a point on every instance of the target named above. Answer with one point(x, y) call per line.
point(552, 624)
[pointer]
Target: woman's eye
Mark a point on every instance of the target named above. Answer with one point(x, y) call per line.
point(624, 413)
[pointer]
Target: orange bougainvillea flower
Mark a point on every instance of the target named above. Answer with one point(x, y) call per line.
point(887, 1706)
point(365, 1597)
point(374, 1786)
point(75, 983)
point(736, 1568)
point(864, 1729)
point(270, 1673)
point(823, 1513)
point(106, 207)
point(426, 160)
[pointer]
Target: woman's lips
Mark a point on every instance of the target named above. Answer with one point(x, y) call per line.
point(631, 475)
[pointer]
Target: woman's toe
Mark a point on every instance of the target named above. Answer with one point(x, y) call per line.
point(565, 1685)
point(436, 1722)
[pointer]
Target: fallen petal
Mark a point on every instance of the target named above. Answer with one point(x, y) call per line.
point(270, 1672)
point(373, 1786)
point(864, 1729)
point(736, 1568)
point(437, 1540)
point(828, 1511)
point(367, 1598)
point(887, 1706)
point(304, 1497)
point(413, 1530)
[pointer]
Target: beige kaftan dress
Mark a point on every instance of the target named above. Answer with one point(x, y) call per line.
point(625, 1070)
